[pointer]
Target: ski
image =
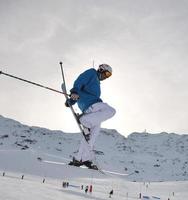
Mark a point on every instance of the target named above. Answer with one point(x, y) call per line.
point(72, 109)
point(64, 163)
point(102, 171)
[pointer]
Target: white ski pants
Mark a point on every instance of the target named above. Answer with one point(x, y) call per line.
point(92, 119)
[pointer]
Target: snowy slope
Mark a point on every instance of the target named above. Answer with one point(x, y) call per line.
point(150, 157)
point(13, 188)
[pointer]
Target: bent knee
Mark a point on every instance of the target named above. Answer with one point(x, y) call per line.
point(112, 112)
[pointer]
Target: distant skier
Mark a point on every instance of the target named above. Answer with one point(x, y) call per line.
point(90, 189)
point(111, 193)
point(86, 189)
point(86, 93)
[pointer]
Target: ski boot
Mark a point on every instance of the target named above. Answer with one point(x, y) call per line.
point(90, 165)
point(76, 163)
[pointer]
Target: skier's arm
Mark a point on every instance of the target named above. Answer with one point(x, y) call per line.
point(81, 81)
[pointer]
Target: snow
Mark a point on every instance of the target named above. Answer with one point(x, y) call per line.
point(160, 161)
point(32, 187)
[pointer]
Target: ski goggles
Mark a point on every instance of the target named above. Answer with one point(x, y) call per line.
point(107, 74)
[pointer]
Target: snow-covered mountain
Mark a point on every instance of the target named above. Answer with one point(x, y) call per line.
point(151, 157)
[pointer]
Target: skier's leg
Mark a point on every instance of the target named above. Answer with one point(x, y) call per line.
point(92, 119)
point(96, 114)
point(94, 131)
point(83, 149)
point(86, 148)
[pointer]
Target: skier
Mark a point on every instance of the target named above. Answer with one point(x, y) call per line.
point(111, 193)
point(90, 189)
point(86, 93)
point(86, 189)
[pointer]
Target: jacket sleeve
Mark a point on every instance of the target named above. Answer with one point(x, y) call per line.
point(82, 80)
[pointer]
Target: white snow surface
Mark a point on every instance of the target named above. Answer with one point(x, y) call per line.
point(157, 164)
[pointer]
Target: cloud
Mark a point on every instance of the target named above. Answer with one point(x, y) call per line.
point(145, 42)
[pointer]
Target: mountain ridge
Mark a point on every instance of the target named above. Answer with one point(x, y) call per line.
point(157, 157)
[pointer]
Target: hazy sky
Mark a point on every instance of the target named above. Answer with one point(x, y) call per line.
point(145, 42)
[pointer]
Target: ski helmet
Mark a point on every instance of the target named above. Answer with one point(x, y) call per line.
point(105, 67)
point(105, 71)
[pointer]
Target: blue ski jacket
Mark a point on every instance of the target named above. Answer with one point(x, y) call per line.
point(87, 86)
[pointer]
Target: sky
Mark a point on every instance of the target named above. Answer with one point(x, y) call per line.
point(145, 42)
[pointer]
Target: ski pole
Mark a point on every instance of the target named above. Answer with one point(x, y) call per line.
point(72, 109)
point(37, 84)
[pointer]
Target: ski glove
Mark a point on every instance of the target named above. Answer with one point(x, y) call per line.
point(74, 96)
point(69, 102)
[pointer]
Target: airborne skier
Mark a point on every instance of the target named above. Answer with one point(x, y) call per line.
point(86, 93)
